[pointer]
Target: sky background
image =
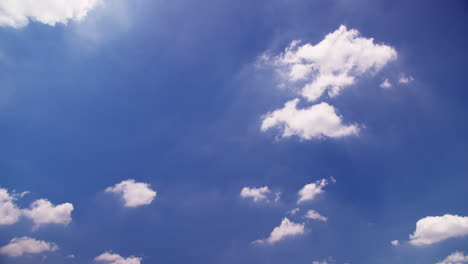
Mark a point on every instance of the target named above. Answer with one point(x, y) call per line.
point(170, 93)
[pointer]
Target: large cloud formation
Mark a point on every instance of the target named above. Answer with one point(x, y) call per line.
point(133, 193)
point(18, 13)
point(286, 229)
point(331, 65)
point(111, 258)
point(434, 229)
point(334, 63)
point(26, 245)
point(314, 215)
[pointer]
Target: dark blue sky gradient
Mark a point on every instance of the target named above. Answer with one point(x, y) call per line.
point(174, 100)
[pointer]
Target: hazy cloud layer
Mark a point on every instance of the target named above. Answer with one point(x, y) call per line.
point(286, 229)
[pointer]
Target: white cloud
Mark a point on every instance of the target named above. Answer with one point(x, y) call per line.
point(26, 245)
point(330, 260)
point(133, 193)
point(385, 84)
point(310, 191)
point(395, 243)
point(256, 194)
point(294, 211)
point(405, 79)
point(317, 121)
point(18, 13)
point(455, 258)
point(334, 63)
point(44, 212)
point(41, 211)
point(314, 215)
point(433, 229)
point(110, 258)
point(70, 256)
point(9, 213)
point(329, 66)
point(286, 229)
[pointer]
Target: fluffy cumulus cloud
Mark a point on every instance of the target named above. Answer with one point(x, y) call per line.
point(286, 229)
point(317, 121)
point(261, 194)
point(395, 243)
point(44, 212)
point(334, 63)
point(330, 260)
point(455, 258)
point(41, 211)
point(26, 245)
point(329, 66)
point(133, 193)
point(9, 212)
point(314, 215)
point(18, 13)
point(111, 258)
point(310, 191)
point(433, 229)
point(294, 211)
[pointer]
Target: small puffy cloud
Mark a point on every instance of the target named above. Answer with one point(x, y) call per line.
point(294, 211)
point(18, 13)
point(334, 63)
point(26, 245)
point(9, 212)
point(314, 215)
point(395, 243)
point(256, 194)
point(433, 229)
point(286, 229)
point(455, 258)
point(385, 84)
point(70, 256)
point(110, 258)
point(44, 212)
point(133, 193)
point(316, 121)
point(312, 190)
point(330, 260)
point(405, 79)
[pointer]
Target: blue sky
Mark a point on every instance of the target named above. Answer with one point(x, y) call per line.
point(187, 99)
